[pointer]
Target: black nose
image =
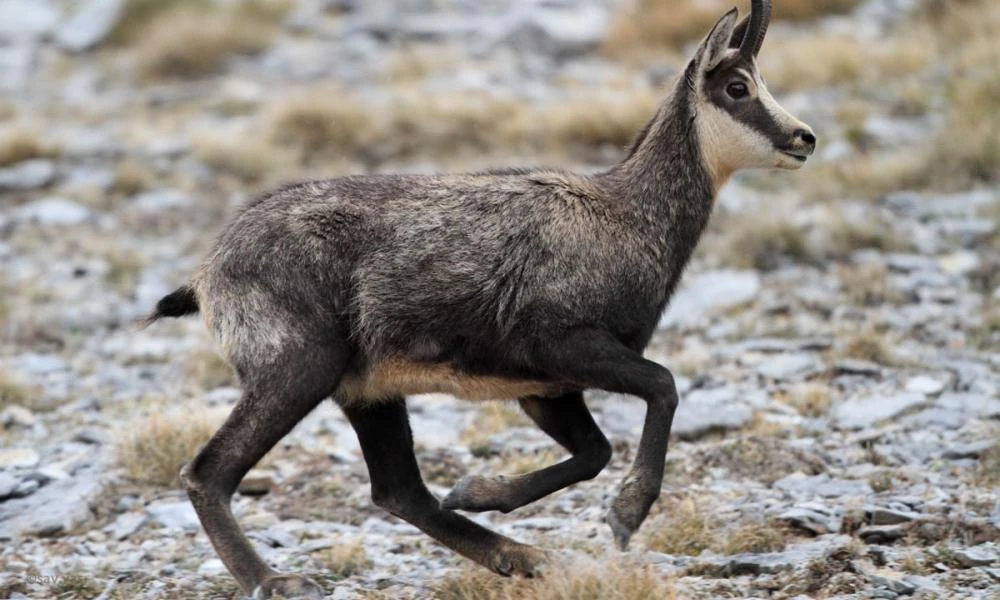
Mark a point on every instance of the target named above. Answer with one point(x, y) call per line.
point(807, 137)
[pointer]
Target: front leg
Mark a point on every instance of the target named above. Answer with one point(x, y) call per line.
point(595, 359)
point(566, 419)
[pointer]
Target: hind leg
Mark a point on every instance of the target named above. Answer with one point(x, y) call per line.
point(566, 420)
point(273, 402)
point(387, 444)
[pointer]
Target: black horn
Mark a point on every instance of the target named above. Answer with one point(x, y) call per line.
point(760, 18)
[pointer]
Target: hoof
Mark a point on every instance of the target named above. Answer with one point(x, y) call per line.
point(473, 493)
point(619, 530)
point(521, 560)
point(289, 586)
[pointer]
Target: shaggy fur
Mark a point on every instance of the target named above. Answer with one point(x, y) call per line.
point(528, 283)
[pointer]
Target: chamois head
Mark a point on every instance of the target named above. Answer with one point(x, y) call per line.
point(738, 122)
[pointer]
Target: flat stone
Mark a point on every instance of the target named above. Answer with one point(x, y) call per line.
point(54, 211)
point(922, 384)
point(26, 488)
point(813, 517)
point(8, 483)
point(18, 458)
point(775, 562)
point(982, 555)
point(154, 202)
point(256, 483)
point(17, 416)
point(91, 23)
point(887, 516)
point(59, 506)
point(211, 568)
point(854, 366)
point(823, 486)
point(866, 412)
point(704, 295)
point(174, 515)
point(881, 534)
point(968, 450)
point(126, 525)
point(555, 31)
point(935, 418)
point(27, 18)
point(38, 364)
point(972, 405)
point(784, 367)
point(28, 175)
point(706, 411)
point(959, 263)
point(921, 583)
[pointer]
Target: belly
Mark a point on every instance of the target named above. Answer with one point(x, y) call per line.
point(400, 377)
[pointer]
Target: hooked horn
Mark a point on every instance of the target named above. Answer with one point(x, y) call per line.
point(760, 18)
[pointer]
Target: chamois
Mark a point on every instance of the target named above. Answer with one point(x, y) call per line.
point(533, 284)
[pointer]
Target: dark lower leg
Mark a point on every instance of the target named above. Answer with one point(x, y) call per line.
point(567, 420)
point(267, 412)
point(593, 359)
point(386, 441)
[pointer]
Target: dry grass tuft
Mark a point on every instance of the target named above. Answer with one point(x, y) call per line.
point(248, 160)
point(155, 449)
point(842, 237)
point(22, 144)
point(810, 399)
point(988, 469)
point(659, 24)
point(324, 125)
point(347, 560)
point(192, 43)
point(755, 537)
point(131, 177)
point(15, 392)
point(807, 62)
point(868, 285)
point(764, 243)
point(206, 369)
point(491, 419)
point(137, 15)
point(868, 345)
point(75, 585)
point(757, 458)
point(686, 529)
point(587, 581)
point(124, 269)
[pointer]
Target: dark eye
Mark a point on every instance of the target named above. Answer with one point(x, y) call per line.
point(737, 90)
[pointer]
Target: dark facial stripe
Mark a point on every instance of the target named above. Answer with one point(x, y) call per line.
point(750, 111)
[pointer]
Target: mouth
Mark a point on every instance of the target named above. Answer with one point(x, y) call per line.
point(799, 157)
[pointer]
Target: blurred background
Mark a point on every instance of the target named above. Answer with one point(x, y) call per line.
point(825, 304)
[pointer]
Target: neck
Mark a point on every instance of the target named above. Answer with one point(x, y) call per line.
point(665, 177)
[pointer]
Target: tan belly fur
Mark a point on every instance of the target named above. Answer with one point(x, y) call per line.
point(398, 377)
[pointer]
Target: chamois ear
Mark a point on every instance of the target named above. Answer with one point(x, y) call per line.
point(717, 42)
point(739, 33)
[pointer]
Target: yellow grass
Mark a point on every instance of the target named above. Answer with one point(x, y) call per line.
point(754, 537)
point(651, 24)
point(22, 143)
point(327, 124)
point(248, 160)
point(192, 43)
point(346, 560)
point(868, 345)
point(154, 449)
point(584, 580)
point(810, 399)
point(685, 528)
point(207, 370)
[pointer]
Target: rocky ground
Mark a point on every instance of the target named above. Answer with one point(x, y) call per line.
point(837, 345)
